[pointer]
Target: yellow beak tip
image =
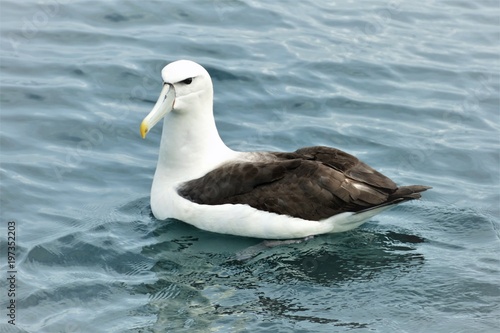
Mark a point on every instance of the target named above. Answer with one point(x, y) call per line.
point(144, 130)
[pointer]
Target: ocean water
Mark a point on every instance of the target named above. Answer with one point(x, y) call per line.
point(411, 88)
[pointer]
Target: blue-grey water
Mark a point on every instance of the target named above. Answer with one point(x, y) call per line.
point(412, 88)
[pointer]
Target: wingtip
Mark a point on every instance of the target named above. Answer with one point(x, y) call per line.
point(409, 192)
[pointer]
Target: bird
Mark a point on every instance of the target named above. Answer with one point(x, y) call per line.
point(269, 195)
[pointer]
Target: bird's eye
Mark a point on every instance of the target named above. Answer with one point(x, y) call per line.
point(187, 81)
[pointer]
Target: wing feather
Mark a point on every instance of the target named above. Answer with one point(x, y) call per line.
point(312, 183)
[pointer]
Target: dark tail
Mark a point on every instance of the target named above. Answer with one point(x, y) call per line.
point(408, 193)
point(402, 194)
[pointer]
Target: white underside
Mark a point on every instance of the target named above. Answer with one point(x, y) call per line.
point(243, 220)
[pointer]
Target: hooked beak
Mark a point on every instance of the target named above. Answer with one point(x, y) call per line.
point(163, 106)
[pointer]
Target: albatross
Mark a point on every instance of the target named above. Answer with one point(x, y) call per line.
point(269, 195)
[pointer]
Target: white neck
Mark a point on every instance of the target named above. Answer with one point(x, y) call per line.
point(190, 146)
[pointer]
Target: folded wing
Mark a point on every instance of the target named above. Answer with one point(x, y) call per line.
point(311, 183)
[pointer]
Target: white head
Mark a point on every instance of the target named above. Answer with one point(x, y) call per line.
point(187, 87)
point(190, 144)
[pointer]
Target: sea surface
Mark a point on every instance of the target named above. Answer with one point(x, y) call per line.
point(411, 88)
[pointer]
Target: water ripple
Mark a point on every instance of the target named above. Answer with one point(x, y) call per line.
point(410, 88)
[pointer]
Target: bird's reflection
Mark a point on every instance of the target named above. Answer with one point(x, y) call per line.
point(202, 268)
